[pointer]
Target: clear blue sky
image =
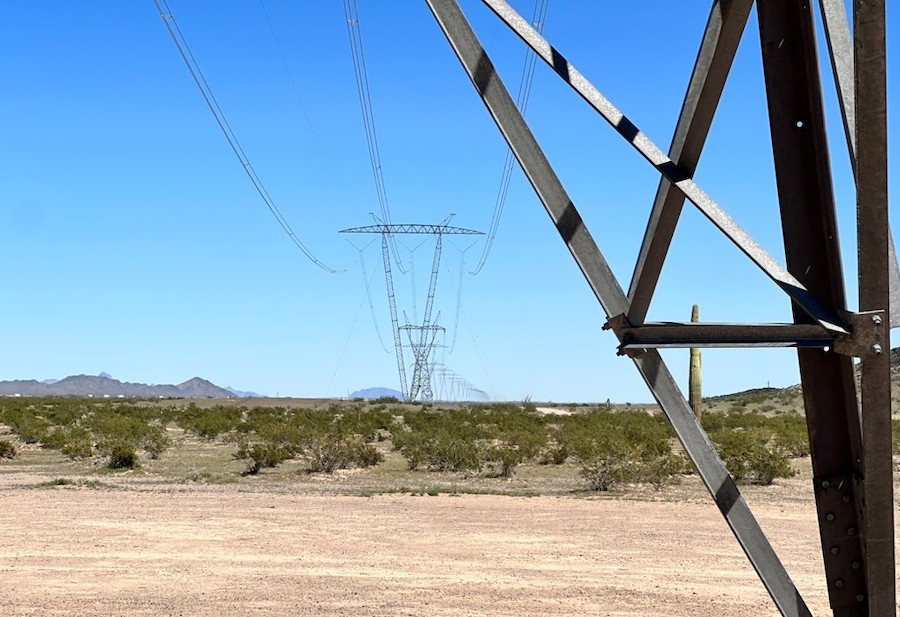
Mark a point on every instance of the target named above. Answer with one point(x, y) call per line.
point(134, 244)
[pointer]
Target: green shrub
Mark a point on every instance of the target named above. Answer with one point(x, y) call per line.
point(111, 425)
point(493, 438)
point(751, 456)
point(619, 447)
point(665, 469)
point(155, 442)
point(554, 453)
point(791, 435)
point(264, 455)
point(442, 452)
point(607, 472)
point(122, 456)
point(75, 442)
point(7, 449)
point(209, 423)
point(28, 426)
point(501, 460)
point(327, 454)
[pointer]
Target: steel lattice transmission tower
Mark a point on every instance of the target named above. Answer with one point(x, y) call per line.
point(421, 336)
point(849, 429)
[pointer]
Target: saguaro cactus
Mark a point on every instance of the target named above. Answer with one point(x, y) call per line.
point(695, 393)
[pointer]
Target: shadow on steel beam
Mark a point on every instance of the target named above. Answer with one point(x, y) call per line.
point(485, 74)
point(569, 223)
point(726, 496)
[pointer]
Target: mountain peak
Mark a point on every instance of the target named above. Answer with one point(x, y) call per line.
point(106, 386)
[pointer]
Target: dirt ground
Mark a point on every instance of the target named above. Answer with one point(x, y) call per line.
point(237, 550)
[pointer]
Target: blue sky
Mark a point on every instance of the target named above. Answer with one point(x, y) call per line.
point(135, 244)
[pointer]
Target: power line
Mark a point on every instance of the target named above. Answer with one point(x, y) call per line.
point(297, 96)
point(459, 286)
point(537, 19)
point(366, 279)
point(357, 52)
point(194, 68)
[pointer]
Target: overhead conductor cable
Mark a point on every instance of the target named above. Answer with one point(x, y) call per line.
point(185, 51)
point(357, 52)
point(537, 20)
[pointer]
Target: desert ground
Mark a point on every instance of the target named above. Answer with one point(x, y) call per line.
point(127, 547)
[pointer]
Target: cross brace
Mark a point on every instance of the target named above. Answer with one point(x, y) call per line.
point(820, 317)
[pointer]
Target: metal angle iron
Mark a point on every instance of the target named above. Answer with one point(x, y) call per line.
point(853, 484)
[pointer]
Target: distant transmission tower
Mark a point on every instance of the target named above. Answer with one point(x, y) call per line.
point(421, 336)
point(421, 340)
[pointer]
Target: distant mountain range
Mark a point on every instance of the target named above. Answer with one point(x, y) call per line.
point(104, 385)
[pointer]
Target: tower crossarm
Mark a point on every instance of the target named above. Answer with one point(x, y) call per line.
point(412, 228)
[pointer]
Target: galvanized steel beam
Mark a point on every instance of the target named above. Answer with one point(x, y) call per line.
point(876, 288)
point(611, 296)
point(840, 50)
point(870, 63)
point(720, 42)
point(680, 335)
point(803, 178)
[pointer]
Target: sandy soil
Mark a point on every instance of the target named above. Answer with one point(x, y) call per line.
point(227, 550)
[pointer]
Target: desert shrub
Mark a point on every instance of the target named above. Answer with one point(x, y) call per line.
point(368, 424)
point(64, 411)
point(554, 453)
point(155, 442)
point(441, 451)
point(327, 439)
point(582, 434)
point(448, 453)
point(30, 427)
point(615, 462)
point(785, 431)
point(209, 423)
point(751, 456)
point(665, 469)
point(327, 454)
point(365, 455)
point(55, 438)
point(7, 449)
point(110, 425)
point(501, 460)
point(264, 455)
point(75, 442)
point(790, 434)
point(509, 436)
point(616, 448)
point(121, 456)
point(439, 441)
